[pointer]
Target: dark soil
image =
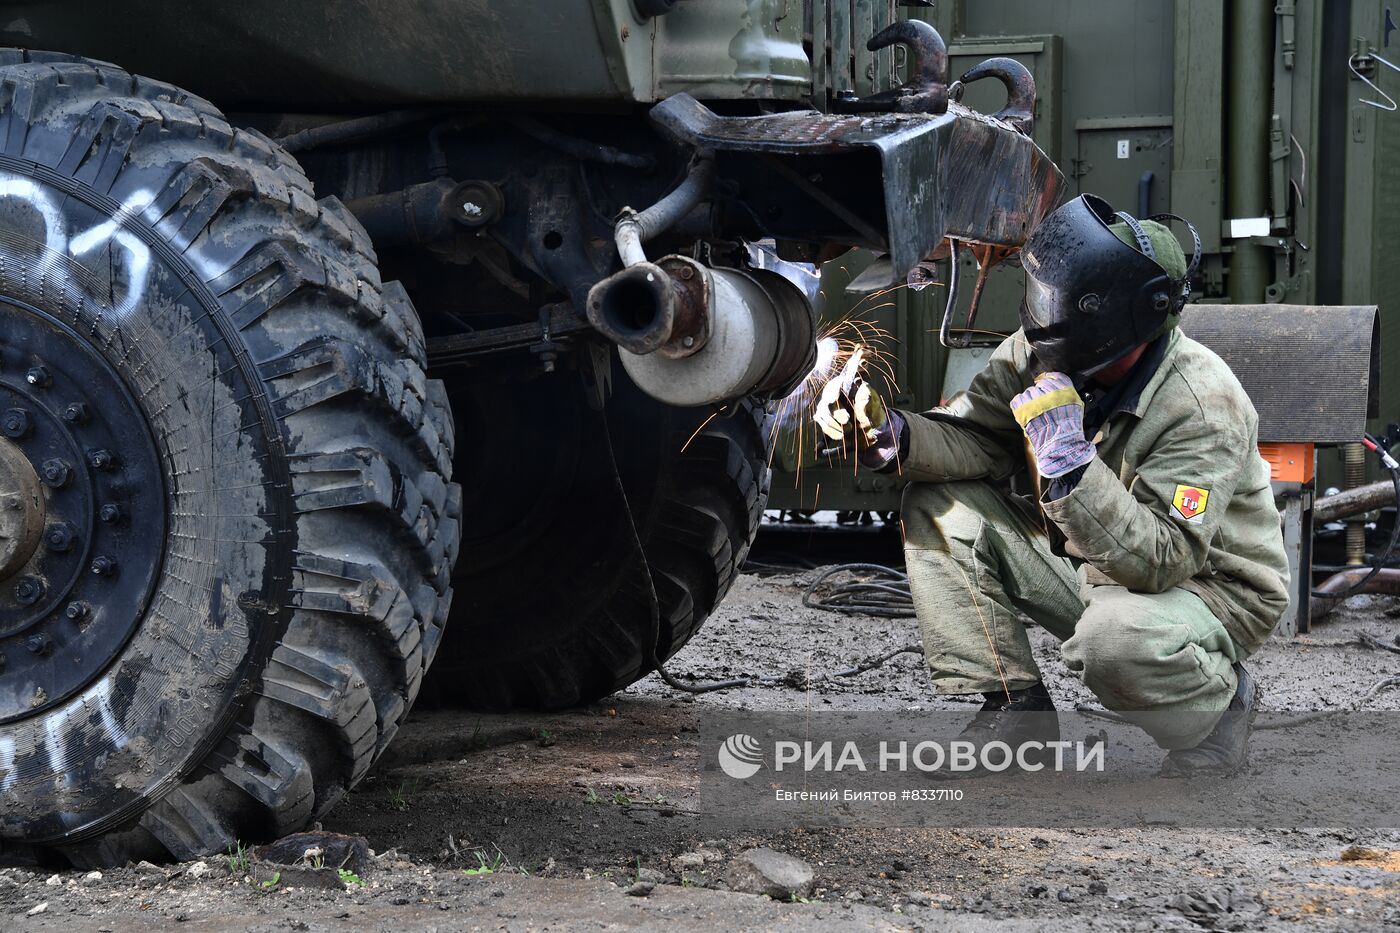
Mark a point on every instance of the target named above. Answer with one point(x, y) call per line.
point(554, 816)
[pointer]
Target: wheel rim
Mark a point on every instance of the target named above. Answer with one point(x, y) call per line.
point(82, 512)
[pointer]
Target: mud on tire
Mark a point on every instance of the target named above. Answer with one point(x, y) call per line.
point(310, 527)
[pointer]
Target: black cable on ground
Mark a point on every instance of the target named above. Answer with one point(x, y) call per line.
point(1367, 640)
point(873, 590)
point(869, 664)
point(773, 568)
point(650, 647)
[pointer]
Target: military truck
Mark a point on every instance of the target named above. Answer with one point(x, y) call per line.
point(339, 337)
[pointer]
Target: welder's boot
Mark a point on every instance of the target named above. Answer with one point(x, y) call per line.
point(1226, 749)
point(1016, 718)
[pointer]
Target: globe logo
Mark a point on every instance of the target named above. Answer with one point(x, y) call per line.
point(740, 756)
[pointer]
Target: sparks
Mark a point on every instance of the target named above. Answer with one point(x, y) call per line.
point(850, 343)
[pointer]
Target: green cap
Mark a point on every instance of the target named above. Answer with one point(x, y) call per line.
point(1169, 256)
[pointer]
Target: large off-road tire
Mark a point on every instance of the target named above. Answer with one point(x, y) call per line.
point(554, 608)
point(217, 418)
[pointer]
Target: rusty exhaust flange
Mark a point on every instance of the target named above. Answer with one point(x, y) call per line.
point(1020, 90)
point(926, 91)
point(661, 307)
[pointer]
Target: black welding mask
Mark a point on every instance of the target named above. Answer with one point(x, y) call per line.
point(1090, 297)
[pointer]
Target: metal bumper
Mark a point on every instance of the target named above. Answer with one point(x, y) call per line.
point(895, 182)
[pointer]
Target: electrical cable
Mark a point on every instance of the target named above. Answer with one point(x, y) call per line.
point(789, 564)
point(353, 130)
point(650, 646)
point(584, 149)
point(1374, 444)
point(874, 590)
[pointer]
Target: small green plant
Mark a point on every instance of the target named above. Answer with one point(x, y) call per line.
point(398, 797)
point(545, 738)
point(593, 797)
point(273, 881)
point(483, 867)
point(237, 859)
point(620, 799)
point(795, 898)
point(348, 877)
point(318, 861)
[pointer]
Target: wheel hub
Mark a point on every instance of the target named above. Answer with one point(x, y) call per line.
point(22, 510)
point(82, 511)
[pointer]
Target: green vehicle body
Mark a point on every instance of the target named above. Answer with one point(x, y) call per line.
point(351, 55)
point(1242, 109)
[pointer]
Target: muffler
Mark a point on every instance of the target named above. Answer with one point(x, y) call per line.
point(693, 335)
point(689, 334)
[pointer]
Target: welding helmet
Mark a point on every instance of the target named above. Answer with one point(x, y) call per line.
point(1091, 297)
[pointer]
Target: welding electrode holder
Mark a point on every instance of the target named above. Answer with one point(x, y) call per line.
point(848, 405)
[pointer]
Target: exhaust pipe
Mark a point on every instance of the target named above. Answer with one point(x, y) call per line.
point(635, 308)
point(691, 335)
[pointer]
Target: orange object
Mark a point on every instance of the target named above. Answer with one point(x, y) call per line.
point(1290, 463)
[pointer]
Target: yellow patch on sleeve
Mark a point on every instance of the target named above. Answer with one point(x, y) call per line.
point(1189, 503)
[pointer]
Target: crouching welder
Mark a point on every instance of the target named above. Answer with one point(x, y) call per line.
point(1151, 548)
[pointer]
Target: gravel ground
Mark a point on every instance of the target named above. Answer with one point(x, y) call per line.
point(545, 822)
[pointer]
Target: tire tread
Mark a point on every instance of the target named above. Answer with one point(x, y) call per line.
point(364, 621)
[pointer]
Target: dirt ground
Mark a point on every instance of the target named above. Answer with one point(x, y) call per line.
point(542, 822)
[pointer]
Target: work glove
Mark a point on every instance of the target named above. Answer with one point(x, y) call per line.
point(1052, 415)
point(834, 410)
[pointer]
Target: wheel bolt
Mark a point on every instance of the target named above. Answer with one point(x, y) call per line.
point(102, 459)
point(28, 591)
point(104, 566)
point(40, 644)
point(60, 537)
point(110, 512)
point(15, 424)
point(37, 376)
point(76, 610)
point(55, 472)
point(76, 413)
